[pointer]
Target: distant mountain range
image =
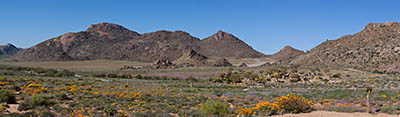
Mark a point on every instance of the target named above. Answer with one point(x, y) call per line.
point(375, 48)
point(8, 50)
point(115, 42)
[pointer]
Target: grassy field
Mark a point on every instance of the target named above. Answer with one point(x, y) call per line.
point(101, 89)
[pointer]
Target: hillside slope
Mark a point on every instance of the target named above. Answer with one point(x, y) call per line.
point(377, 47)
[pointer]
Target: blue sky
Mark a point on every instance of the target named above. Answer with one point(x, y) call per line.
point(266, 25)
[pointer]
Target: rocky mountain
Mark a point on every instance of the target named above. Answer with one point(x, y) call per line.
point(376, 47)
point(287, 53)
point(8, 50)
point(115, 42)
point(223, 44)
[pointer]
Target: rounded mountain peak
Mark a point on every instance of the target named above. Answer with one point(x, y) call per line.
point(221, 35)
point(109, 28)
point(104, 26)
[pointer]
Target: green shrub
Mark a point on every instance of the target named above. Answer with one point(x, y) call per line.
point(7, 96)
point(391, 109)
point(36, 101)
point(214, 107)
point(139, 76)
point(110, 110)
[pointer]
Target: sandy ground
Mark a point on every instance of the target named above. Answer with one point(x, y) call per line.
point(335, 114)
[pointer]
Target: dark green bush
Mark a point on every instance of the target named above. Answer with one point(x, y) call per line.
point(36, 101)
point(7, 96)
point(139, 76)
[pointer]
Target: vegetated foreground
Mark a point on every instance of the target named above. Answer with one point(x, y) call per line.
point(244, 91)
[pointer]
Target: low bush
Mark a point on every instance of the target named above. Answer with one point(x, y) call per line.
point(7, 96)
point(36, 101)
point(294, 104)
point(284, 104)
point(214, 107)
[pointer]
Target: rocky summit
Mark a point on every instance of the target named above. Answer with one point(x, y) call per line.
point(115, 42)
point(287, 53)
point(375, 48)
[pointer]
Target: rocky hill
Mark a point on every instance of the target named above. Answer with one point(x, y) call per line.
point(192, 58)
point(115, 42)
point(8, 50)
point(287, 53)
point(223, 44)
point(376, 47)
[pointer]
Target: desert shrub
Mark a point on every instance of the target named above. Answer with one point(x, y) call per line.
point(99, 75)
point(47, 114)
point(326, 70)
point(7, 96)
point(65, 73)
point(221, 75)
point(62, 96)
point(235, 78)
point(192, 79)
point(36, 101)
point(284, 104)
point(391, 109)
point(112, 76)
point(50, 73)
point(110, 109)
point(214, 107)
point(139, 76)
point(337, 75)
point(294, 104)
point(261, 109)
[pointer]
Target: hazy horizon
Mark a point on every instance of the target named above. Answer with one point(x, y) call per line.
point(267, 26)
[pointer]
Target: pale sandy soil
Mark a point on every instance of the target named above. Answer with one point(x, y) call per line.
point(335, 114)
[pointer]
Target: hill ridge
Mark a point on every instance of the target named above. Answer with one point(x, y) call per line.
point(115, 42)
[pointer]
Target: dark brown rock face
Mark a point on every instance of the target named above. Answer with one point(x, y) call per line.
point(8, 50)
point(192, 58)
point(222, 62)
point(162, 64)
point(377, 47)
point(287, 53)
point(114, 42)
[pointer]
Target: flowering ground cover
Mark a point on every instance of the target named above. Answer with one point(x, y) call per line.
point(227, 92)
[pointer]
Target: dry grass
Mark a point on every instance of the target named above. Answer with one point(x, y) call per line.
point(89, 65)
point(252, 62)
